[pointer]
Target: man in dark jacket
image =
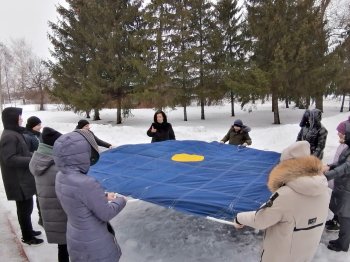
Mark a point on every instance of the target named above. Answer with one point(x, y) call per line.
point(85, 125)
point(32, 136)
point(340, 200)
point(313, 131)
point(238, 134)
point(32, 133)
point(18, 182)
point(160, 129)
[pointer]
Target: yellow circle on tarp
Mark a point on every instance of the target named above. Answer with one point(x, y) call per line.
point(187, 158)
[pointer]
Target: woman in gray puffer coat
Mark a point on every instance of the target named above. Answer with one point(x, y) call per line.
point(43, 168)
point(84, 200)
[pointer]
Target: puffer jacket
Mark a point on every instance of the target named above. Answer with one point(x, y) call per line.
point(238, 138)
point(15, 157)
point(43, 168)
point(294, 220)
point(340, 172)
point(83, 199)
point(313, 131)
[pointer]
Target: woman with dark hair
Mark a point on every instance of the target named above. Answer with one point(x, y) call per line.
point(160, 129)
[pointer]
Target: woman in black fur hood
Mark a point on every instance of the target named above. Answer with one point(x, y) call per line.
point(160, 129)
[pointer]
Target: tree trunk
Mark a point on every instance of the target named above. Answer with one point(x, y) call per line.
point(319, 102)
point(97, 114)
point(276, 116)
point(202, 109)
point(41, 98)
point(119, 110)
point(342, 103)
point(307, 102)
point(232, 104)
point(185, 112)
point(0, 87)
point(87, 114)
point(287, 103)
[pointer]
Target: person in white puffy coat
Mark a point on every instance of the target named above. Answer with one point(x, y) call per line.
point(295, 215)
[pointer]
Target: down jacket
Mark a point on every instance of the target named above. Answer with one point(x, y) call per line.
point(84, 201)
point(294, 222)
point(43, 168)
point(15, 157)
point(340, 172)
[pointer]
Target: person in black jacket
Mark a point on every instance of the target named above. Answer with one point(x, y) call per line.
point(160, 129)
point(313, 131)
point(84, 124)
point(18, 181)
point(32, 136)
point(32, 133)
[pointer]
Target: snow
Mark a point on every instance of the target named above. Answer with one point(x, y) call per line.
point(147, 232)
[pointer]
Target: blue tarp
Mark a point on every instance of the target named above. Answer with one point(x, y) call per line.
point(229, 180)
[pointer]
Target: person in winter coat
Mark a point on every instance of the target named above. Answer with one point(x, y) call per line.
point(313, 131)
point(84, 124)
point(238, 134)
point(333, 224)
point(18, 182)
point(32, 133)
point(89, 235)
point(295, 215)
point(32, 136)
point(43, 168)
point(160, 129)
point(340, 200)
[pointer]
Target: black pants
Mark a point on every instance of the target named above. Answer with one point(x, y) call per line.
point(37, 205)
point(24, 211)
point(344, 233)
point(63, 253)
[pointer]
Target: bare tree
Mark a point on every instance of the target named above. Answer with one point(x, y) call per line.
point(40, 79)
point(23, 56)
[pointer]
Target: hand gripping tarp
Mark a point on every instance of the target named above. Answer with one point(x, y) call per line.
point(221, 181)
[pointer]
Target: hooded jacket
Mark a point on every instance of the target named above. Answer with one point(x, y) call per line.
point(238, 138)
point(164, 130)
point(14, 158)
point(313, 131)
point(83, 199)
point(340, 172)
point(294, 222)
point(43, 168)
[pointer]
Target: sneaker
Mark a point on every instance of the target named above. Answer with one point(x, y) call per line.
point(33, 242)
point(332, 225)
point(36, 233)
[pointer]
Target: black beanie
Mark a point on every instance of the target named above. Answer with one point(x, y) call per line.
point(49, 136)
point(82, 123)
point(32, 122)
point(238, 123)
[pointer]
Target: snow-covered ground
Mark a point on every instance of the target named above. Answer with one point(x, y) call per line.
point(147, 232)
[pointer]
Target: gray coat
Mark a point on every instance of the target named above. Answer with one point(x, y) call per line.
point(340, 172)
point(84, 202)
point(43, 168)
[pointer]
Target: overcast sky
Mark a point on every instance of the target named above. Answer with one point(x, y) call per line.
point(28, 19)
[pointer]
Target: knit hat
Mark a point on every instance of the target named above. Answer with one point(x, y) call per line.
point(49, 136)
point(341, 128)
point(32, 121)
point(295, 150)
point(82, 123)
point(238, 122)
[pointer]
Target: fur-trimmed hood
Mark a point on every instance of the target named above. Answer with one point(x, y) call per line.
point(303, 175)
